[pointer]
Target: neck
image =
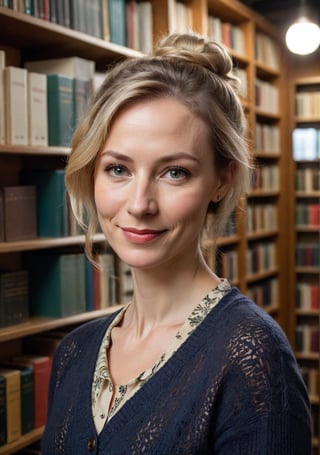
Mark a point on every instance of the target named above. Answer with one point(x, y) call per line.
point(167, 296)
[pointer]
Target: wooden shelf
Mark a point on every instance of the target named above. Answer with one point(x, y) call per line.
point(33, 150)
point(307, 228)
point(263, 193)
point(301, 312)
point(22, 442)
point(38, 324)
point(45, 243)
point(261, 275)
point(308, 355)
point(262, 235)
point(309, 270)
point(39, 38)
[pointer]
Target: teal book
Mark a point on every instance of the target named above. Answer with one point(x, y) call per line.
point(82, 91)
point(60, 109)
point(52, 216)
point(117, 21)
point(27, 395)
point(80, 275)
point(14, 297)
point(89, 285)
point(53, 284)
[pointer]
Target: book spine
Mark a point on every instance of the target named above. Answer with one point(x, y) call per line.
point(37, 108)
point(2, 98)
point(15, 84)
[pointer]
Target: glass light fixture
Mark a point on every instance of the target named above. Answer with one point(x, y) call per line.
point(303, 37)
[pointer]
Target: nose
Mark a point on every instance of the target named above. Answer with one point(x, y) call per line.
point(142, 200)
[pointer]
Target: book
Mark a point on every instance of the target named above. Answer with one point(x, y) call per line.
point(41, 366)
point(52, 216)
point(56, 288)
point(37, 109)
point(60, 98)
point(105, 20)
point(14, 297)
point(82, 94)
point(13, 403)
point(20, 212)
point(16, 105)
point(117, 21)
point(26, 394)
point(2, 96)
point(3, 412)
point(1, 218)
point(73, 67)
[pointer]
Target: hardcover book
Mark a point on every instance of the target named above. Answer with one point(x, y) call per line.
point(52, 217)
point(13, 403)
point(41, 366)
point(37, 109)
point(2, 102)
point(60, 96)
point(3, 412)
point(15, 86)
point(14, 298)
point(20, 212)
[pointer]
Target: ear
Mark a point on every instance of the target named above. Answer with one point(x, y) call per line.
point(225, 179)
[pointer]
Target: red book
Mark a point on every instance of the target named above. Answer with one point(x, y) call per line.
point(41, 374)
point(315, 297)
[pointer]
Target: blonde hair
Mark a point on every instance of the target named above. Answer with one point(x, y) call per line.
point(189, 68)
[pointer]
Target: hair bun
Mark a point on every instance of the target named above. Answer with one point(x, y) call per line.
point(194, 49)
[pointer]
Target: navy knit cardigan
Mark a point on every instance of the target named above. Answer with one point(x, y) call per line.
point(232, 388)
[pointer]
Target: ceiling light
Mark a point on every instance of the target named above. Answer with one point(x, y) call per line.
point(303, 37)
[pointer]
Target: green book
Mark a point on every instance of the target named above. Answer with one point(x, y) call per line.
point(27, 395)
point(52, 217)
point(60, 109)
point(53, 284)
point(117, 21)
point(14, 297)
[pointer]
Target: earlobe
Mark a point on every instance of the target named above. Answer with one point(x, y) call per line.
point(226, 178)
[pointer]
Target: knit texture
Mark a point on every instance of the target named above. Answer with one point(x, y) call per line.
point(233, 388)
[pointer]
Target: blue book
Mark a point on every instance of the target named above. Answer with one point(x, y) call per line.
point(117, 21)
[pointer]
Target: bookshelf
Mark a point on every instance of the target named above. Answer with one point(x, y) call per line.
point(305, 162)
point(25, 37)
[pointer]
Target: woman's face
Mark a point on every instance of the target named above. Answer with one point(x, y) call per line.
point(154, 179)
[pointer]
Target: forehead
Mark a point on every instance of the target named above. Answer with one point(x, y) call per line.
point(164, 116)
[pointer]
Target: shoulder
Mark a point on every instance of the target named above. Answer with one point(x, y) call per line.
point(85, 338)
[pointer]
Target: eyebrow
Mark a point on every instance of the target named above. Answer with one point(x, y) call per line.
point(165, 159)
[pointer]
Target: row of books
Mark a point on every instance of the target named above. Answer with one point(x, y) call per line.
point(227, 265)
point(24, 384)
point(307, 179)
point(311, 377)
point(261, 217)
point(117, 21)
point(308, 254)
point(307, 338)
point(82, 15)
point(267, 138)
point(261, 257)
point(38, 208)
point(307, 296)
point(308, 104)
point(306, 143)
point(230, 35)
point(266, 96)
point(266, 51)
point(264, 294)
point(43, 102)
point(265, 178)
point(308, 214)
point(57, 285)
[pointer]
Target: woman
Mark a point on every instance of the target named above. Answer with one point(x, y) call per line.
point(190, 366)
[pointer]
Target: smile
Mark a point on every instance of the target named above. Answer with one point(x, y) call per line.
point(141, 235)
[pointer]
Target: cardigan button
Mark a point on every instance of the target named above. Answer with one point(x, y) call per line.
point(91, 445)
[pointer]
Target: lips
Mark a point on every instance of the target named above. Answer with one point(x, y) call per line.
point(141, 235)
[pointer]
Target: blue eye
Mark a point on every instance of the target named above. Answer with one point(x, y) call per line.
point(177, 173)
point(117, 170)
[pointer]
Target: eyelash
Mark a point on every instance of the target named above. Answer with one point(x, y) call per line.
point(110, 169)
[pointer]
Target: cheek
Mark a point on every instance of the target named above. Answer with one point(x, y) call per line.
point(105, 204)
point(191, 207)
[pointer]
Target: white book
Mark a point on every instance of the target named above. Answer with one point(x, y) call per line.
point(2, 104)
point(15, 85)
point(37, 109)
point(69, 66)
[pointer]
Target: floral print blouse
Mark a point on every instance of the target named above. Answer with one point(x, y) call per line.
point(103, 390)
